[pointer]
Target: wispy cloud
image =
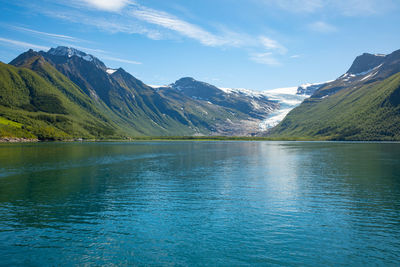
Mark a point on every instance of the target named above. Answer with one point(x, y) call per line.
point(272, 50)
point(108, 5)
point(322, 27)
point(138, 19)
point(173, 23)
point(114, 24)
point(122, 60)
point(159, 25)
point(362, 7)
point(16, 43)
point(46, 34)
point(342, 7)
point(274, 45)
point(266, 58)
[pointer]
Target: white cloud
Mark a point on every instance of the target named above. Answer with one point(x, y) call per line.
point(154, 17)
point(266, 58)
point(173, 23)
point(17, 43)
point(271, 44)
point(322, 27)
point(159, 25)
point(114, 24)
point(108, 5)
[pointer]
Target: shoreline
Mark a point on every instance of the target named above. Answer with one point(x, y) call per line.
point(18, 140)
point(8, 140)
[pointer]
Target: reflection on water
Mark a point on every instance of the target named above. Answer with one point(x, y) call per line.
point(199, 203)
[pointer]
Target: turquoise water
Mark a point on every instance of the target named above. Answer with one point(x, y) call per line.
point(200, 203)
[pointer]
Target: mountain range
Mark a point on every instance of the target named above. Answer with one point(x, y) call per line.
point(362, 104)
point(65, 93)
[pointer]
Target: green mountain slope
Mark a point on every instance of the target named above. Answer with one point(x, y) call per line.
point(36, 101)
point(142, 110)
point(135, 107)
point(368, 111)
point(66, 93)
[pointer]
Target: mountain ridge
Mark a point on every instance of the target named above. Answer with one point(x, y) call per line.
point(73, 94)
point(362, 104)
point(139, 109)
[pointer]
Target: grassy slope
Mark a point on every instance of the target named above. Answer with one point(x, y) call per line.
point(47, 106)
point(369, 112)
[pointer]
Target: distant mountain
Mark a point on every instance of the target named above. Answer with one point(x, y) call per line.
point(362, 104)
point(129, 107)
point(256, 105)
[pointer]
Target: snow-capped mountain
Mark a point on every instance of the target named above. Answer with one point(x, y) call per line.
point(286, 98)
point(254, 104)
point(64, 54)
point(362, 104)
point(69, 52)
point(366, 69)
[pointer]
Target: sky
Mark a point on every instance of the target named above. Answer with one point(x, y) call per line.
point(253, 44)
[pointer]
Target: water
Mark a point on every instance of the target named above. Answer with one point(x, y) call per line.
point(200, 203)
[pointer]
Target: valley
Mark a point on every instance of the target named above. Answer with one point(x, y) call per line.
point(66, 94)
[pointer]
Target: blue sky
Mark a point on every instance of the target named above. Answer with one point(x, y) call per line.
point(254, 44)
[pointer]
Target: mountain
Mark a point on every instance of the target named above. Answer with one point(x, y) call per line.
point(235, 111)
point(255, 105)
point(362, 104)
point(126, 105)
point(36, 101)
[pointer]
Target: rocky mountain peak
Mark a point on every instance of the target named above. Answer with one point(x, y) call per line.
point(366, 62)
point(67, 53)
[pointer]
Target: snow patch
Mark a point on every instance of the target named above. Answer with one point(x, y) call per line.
point(242, 91)
point(158, 86)
point(278, 91)
point(304, 88)
point(70, 52)
point(110, 71)
point(365, 72)
point(369, 76)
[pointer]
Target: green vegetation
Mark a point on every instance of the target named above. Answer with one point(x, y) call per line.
point(47, 106)
point(48, 98)
point(362, 113)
